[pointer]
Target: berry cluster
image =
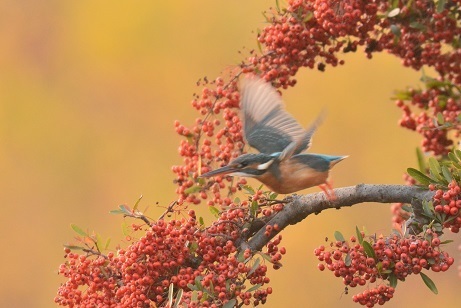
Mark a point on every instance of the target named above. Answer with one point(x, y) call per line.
point(197, 150)
point(419, 31)
point(379, 295)
point(359, 262)
point(448, 203)
point(399, 215)
point(306, 34)
point(81, 270)
point(179, 254)
point(441, 102)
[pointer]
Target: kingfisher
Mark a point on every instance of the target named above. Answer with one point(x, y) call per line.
point(280, 140)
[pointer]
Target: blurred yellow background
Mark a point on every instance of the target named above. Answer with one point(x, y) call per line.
point(89, 91)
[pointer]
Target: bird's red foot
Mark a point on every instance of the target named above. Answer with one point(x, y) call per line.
point(327, 189)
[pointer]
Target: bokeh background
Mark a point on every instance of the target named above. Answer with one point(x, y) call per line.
point(89, 91)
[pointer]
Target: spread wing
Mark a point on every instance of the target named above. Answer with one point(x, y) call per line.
point(267, 126)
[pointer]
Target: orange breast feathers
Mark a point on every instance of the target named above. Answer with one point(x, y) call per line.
point(293, 176)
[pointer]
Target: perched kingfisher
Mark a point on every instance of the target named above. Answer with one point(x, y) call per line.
point(280, 140)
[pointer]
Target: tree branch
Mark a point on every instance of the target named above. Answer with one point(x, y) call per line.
point(304, 205)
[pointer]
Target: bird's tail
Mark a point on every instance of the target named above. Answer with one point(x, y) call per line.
point(337, 159)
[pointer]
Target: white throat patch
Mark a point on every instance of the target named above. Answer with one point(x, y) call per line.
point(265, 165)
point(242, 174)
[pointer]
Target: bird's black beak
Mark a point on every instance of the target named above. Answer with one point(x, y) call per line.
point(221, 171)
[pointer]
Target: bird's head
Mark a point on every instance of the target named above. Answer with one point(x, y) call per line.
point(246, 165)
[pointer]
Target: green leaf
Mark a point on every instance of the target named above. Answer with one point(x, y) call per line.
point(417, 25)
point(439, 217)
point(421, 160)
point(348, 260)
point(214, 211)
point(451, 218)
point(434, 167)
point(201, 221)
point(453, 157)
point(170, 295)
point(440, 118)
point(258, 43)
point(125, 228)
point(248, 189)
point(123, 209)
point(240, 256)
point(117, 212)
point(98, 242)
point(254, 208)
point(192, 190)
point(458, 154)
point(201, 181)
point(458, 173)
point(407, 208)
point(438, 226)
point(277, 6)
point(74, 247)
point(107, 244)
point(339, 236)
point(135, 207)
point(194, 296)
point(359, 235)
point(419, 176)
point(393, 12)
point(379, 266)
point(447, 174)
point(446, 242)
point(273, 196)
point(210, 291)
point(440, 8)
point(403, 95)
point(198, 281)
point(230, 304)
point(193, 247)
point(456, 165)
point(454, 160)
point(396, 30)
point(178, 298)
point(254, 267)
point(253, 288)
point(369, 251)
point(78, 230)
point(308, 16)
point(392, 280)
point(428, 208)
point(429, 283)
point(265, 256)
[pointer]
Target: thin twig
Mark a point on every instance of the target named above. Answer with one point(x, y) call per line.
point(168, 210)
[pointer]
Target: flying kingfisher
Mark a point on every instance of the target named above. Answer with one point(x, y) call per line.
point(280, 140)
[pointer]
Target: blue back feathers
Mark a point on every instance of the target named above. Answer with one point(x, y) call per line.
point(318, 162)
